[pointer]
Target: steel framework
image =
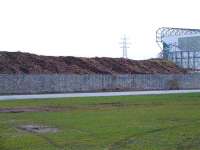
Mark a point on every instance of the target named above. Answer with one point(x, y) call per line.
point(124, 45)
point(167, 39)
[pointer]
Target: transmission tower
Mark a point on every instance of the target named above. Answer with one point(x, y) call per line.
point(124, 45)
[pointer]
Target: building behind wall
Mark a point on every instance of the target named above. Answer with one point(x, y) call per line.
point(182, 46)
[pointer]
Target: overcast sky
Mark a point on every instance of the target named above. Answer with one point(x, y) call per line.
point(91, 28)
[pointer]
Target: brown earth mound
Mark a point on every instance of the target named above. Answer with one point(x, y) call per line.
point(20, 63)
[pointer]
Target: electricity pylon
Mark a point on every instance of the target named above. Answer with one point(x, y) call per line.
point(124, 45)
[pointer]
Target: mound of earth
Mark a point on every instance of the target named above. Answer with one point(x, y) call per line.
point(26, 63)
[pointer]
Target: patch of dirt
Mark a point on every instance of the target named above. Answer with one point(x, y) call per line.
point(38, 129)
point(120, 104)
point(33, 109)
point(108, 105)
point(26, 63)
point(117, 104)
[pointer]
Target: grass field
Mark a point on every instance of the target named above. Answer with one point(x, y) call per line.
point(162, 122)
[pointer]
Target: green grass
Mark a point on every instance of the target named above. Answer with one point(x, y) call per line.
point(164, 122)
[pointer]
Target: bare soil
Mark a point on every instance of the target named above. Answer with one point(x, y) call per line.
point(26, 63)
point(32, 109)
point(71, 108)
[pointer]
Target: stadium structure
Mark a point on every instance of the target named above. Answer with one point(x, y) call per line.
point(182, 46)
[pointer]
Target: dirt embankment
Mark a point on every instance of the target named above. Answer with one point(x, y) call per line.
point(20, 63)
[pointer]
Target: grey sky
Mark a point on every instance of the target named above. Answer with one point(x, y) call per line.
point(91, 28)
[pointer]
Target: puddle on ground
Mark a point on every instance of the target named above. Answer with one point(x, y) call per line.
point(38, 129)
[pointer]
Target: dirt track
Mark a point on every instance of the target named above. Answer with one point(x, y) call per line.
point(32, 109)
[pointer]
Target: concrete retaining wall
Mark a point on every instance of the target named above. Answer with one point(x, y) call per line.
point(57, 83)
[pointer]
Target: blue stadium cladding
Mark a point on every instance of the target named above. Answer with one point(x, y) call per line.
point(181, 46)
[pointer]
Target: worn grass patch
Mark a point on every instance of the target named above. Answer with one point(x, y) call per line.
point(103, 123)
